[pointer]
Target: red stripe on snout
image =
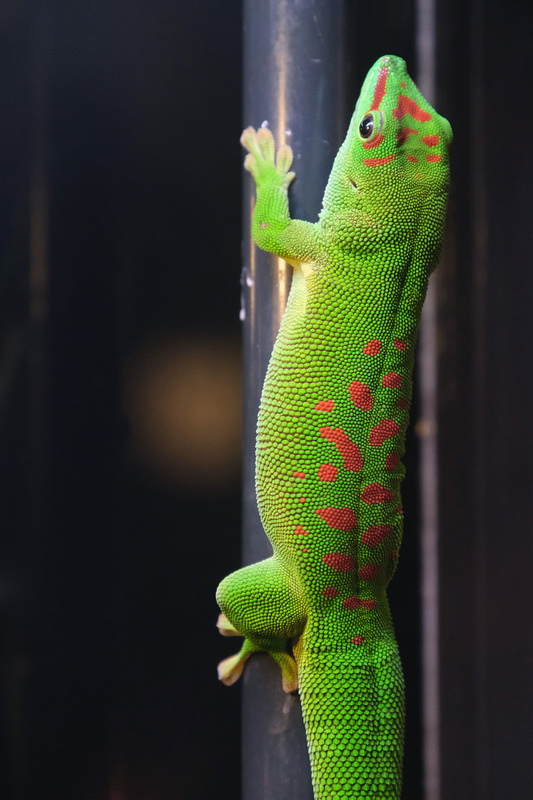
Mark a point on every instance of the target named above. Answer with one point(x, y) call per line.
point(379, 90)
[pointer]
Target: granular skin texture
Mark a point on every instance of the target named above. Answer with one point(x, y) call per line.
point(331, 429)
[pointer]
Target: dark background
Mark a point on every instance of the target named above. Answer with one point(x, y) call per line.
point(120, 239)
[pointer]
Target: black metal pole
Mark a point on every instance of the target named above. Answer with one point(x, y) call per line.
point(427, 429)
point(293, 79)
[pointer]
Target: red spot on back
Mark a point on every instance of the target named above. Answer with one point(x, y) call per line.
point(302, 499)
point(350, 453)
point(300, 475)
point(430, 141)
point(369, 571)
point(375, 534)
point(330, 592)
point(357, 640)
point(361, 396)
point(413, 159)
point(299, 531)
point(399, 344)
point(376, 493)
point(327, 472)
point(392, 380)
point(376, 141)
point(404, 134)
point(391, 462)
point(372, 348)
point(343, 519)
point(403, 404)
point(433, 158)
point(325, 405)
point(339, 561)
point(353, 603)
point(406, 105)
point(379, 89)
point(379, 161)
point(385, 430)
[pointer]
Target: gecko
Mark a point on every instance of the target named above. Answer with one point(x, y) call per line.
point(331, 429)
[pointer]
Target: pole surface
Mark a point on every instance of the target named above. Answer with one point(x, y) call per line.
point(293, 79)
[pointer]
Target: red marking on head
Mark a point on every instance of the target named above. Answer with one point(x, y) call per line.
point(402, 84)
point(343, 519)
point(403, 404)
point(350, 453)
point(357, 640)
point(431, 141)
point(302, 499)
point(361, 397)
point(391, 380)
point(379, 89)
point(385, 430)
point(339, 561)
point(376, 493)
point(404, 134)
point(372, 348)
point(400, 510)
point(325, 405)
point(399, 344)
point(406, 105)
point(375, 534)
point(378, 162)
point(330, 592)
point(413, 159)
point(300, 475)
point(369, 572)
point(376, 141)
point(299, 531)
point(391, 462)
point(433, 158)
point(327, 472)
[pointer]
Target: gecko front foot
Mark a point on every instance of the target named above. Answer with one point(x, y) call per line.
point(262, 161)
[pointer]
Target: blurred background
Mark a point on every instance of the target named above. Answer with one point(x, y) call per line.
point(119, 396)
point(120, 411)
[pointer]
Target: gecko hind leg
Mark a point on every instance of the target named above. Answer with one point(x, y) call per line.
point(231, 669)
point(247, 598)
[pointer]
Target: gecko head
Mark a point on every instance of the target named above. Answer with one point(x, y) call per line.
point(394, 161)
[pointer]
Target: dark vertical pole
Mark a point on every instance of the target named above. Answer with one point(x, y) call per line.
point(429, 443)
point(485, 421)
point(293, 68)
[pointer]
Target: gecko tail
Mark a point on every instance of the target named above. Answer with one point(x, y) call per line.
point(354, 717)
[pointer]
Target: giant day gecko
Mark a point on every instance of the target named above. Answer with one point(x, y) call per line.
point(331, 429)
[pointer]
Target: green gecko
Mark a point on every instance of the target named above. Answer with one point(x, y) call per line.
point(331, 429)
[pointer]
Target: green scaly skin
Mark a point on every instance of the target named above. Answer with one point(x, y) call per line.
point(331, 429)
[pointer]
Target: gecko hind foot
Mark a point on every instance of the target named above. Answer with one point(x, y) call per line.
point(225, 628)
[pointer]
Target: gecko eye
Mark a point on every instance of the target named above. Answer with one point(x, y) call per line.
point(366, 126)
point(371, 124)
